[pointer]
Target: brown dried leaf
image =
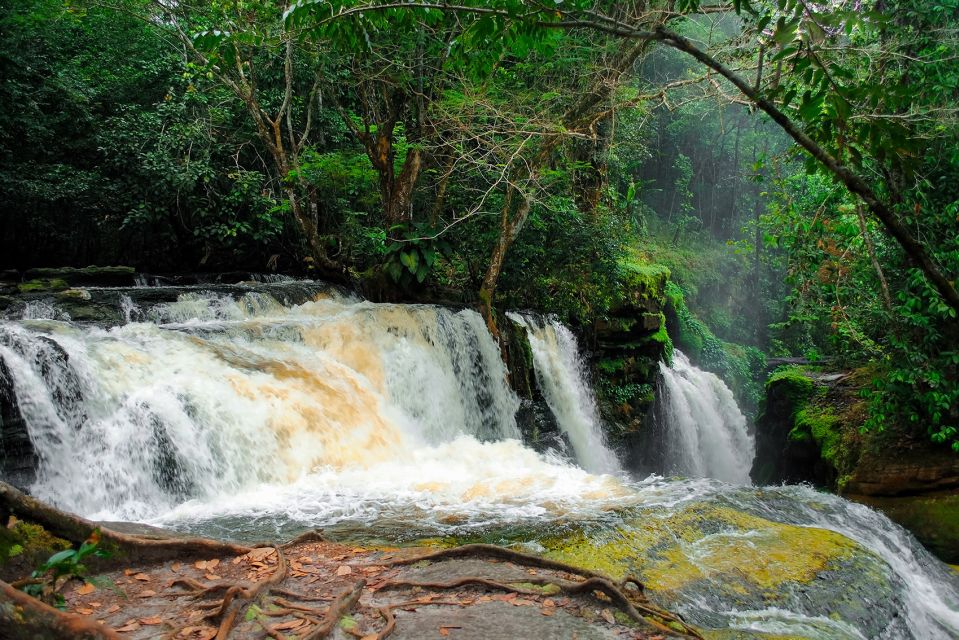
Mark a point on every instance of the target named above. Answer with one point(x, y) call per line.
point(87, 588)
point(147, 593)
point(522, 602)
point(444, 631)
point(128, 572)
point(142, 577)
point(549, 602)
point(152, 620)
point(176, 566)
point(200, 564)
point(548, 611)
point(211, 564)
point(113, 608)
point(608, 616)
point(132, 625)
point(261, 553)
point(84, 612)
point(95, 605)
point(344, 570)
point(291, 624)
point(211, 576)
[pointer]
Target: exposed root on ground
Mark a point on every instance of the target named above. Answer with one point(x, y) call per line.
point(124, 548)
point(249, 604)
point(22, 616)
point(637, 607)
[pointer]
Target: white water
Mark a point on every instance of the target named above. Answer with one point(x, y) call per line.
point(358, 405)
point(561, 376)
point(704, 431)
point(242, 417)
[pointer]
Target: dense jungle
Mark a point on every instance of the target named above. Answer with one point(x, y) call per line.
point(485, 319)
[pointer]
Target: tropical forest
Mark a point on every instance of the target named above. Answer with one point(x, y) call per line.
point(479, 319)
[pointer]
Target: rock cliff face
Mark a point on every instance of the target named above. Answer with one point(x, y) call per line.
point(809, 431)
point(627, 347)
point(17, 457)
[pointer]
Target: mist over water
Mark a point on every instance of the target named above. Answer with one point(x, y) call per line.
point(245, 415)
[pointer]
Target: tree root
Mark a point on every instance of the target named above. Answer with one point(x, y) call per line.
point(22, 616)
point(340, 606)
point(517, 557)
point(639, 609)
point(124, 548)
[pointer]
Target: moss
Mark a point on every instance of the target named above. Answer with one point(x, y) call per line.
point(649, 280)
point(662, 337)
point(32, 286)
point(733, 550)
point(24, 546)
point(793, 383)
point(820, 425)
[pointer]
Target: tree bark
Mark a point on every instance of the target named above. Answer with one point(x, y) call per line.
point(123, 547)
point(23, 617)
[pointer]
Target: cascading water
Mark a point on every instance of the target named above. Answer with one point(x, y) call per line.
point(702, 430)
point(561, 376)
point(262, 410)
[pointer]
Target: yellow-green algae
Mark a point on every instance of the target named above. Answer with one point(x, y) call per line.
point(742, 551)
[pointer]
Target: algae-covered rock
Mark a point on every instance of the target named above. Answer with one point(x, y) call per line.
point(708, 560)
point(89, 276)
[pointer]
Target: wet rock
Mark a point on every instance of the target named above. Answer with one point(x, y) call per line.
point(709, 561)
point(18, 460)
point(86, 276)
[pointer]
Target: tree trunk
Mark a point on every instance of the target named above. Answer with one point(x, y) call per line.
point(914, 250)
point(23, 617)
point(510, 226)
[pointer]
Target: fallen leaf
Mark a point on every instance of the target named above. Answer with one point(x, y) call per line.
point(147, 593)
point(133, 625)
point(87, 588)
point(152, 620)
point(548, 611)
point(372, 636)
point(210, 564)
point(261, 553)
point(444, 631)
point(200, 564)
point(113, 608)
point(84, 612)
point(142, 577)
point(548, 602)
point(176, 566)
point(608, 616)
point(522, 602)
point(344, 570)
point(211, 576)
point(128, 572)
point(95, 605)
point(291, 624)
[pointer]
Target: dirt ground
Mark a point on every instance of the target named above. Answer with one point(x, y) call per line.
point(315, 589)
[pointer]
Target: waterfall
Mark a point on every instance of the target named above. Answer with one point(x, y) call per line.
point(703, 431)
point(217, 395)
point(255, 411)
point(561, 376)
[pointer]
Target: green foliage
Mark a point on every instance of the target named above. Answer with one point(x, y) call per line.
point(414, 253)
point(61, 567)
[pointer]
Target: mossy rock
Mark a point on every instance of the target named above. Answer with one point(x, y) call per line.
point(43, 285)
point(729, 559)
point(93, 276)
point(25, 546)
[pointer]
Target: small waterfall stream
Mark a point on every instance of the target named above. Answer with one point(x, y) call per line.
point(261, 411)
point(703, 432)
point(561, 376)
